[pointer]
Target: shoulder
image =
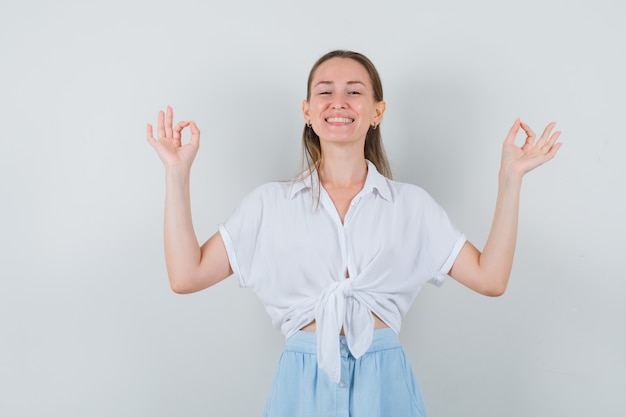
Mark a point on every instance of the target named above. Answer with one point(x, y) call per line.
point(275, 189)
point(261, 202)
point(269, 193)
point(404, 191)
point(413, 200)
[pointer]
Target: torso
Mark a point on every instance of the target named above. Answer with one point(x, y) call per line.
point(342, 196)
point(378, 247)
point(378, 324)
point(342, 199)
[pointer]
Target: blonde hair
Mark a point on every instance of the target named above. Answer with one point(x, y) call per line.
point(374, 151)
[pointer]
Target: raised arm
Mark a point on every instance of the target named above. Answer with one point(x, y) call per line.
point(488, 272)
point(190, 267)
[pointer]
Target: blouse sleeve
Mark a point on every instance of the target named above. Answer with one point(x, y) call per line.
point(441, 238)
point(240, 234)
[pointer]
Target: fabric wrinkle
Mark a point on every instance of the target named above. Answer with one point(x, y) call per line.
point(340, 307)
point(381, 245)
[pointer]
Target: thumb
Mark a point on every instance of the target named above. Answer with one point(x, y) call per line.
point(150, 135)
point(510, 137)
point(195, 134)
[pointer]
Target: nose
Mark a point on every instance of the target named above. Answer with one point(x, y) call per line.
point(338, 103)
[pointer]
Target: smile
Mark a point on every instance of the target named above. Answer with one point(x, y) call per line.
point(339, 120)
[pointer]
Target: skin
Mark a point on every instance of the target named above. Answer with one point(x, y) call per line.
point(190, 267)
point(341, 109)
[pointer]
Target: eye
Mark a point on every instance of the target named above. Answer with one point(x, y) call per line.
point(321, 93)
point(354, 92)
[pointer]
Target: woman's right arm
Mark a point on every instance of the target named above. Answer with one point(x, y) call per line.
point(190, 267)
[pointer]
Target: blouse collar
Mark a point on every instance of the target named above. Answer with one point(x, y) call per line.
point(373, 181)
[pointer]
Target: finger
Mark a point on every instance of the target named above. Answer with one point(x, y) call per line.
point(552, 145)
point(546, 132)
point(555, 136)
point(178, 129)
point(544, 141)
point(530, 135)
point(161, 126)
point(150, 135)
point(554, 150)
point(510, 137)
point(195, 134)
point(169, 115)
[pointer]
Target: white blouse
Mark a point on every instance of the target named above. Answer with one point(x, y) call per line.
point(287, 243)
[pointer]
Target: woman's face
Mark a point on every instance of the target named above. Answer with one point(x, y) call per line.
point(342, 107)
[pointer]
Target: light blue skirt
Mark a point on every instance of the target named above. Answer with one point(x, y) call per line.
point(380, 383)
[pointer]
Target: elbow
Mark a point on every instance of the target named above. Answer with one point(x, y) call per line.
point(495, 289)
point(177, 288)
point(189, 282)
point(180, 285)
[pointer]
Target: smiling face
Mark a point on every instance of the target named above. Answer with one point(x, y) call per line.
point(341, 107)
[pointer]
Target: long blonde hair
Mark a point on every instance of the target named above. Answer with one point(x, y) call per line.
point(374, 151)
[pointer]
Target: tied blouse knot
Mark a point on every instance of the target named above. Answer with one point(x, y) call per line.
point(287, 243)
point(342, 306)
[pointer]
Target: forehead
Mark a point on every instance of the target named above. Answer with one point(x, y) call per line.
point(341, 69)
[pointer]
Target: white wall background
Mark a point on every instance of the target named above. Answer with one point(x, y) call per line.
point(88, 325)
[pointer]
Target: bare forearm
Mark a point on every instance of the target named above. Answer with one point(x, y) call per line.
point(496, 261)
point(182, 251)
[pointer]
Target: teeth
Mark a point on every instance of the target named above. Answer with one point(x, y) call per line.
point(338, 120)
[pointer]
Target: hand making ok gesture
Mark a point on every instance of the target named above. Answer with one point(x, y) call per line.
point(522, 159)
point(169, 146)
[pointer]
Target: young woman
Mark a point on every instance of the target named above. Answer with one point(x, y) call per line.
point(338, 254)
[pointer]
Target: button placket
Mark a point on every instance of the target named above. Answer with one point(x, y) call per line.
point(345, 361)
point(343, 347)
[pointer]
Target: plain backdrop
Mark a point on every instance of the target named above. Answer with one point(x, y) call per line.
point(88, 324)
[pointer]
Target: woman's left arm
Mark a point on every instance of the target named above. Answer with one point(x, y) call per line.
point(488, 272)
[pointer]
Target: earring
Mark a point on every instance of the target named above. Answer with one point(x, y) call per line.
point(308, 124)
point(374, 126)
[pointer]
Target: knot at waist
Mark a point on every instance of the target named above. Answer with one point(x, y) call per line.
point(346, 288)
point(342, 306)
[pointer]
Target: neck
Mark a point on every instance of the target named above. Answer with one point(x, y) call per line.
point(342, 170)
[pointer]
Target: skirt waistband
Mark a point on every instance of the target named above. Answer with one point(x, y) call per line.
point(306, 342)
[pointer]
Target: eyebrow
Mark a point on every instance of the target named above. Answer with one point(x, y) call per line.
point(332, 82)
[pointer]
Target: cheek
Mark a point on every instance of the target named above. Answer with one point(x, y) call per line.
point(319, 107)
point(365, 110)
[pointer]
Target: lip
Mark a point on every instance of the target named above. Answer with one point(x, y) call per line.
point(339, 120)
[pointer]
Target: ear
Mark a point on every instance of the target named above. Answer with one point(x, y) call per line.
point(380, 108)
point(305, 111)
